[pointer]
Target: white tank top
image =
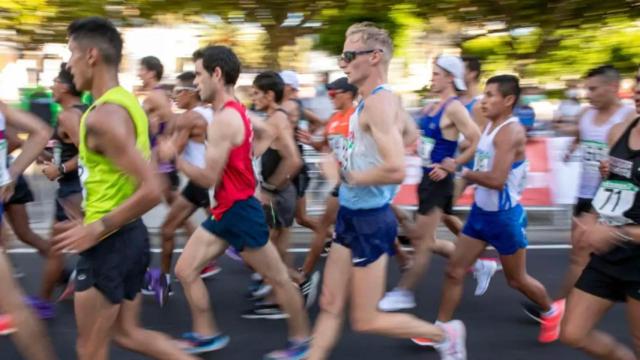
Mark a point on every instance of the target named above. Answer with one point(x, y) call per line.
point(194, 151)
point(507, 198)
point(593, 142)
point(4, 173)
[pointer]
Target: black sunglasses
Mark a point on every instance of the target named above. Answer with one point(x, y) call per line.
point(349, 56)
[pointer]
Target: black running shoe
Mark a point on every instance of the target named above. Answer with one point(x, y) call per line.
point(532, 310)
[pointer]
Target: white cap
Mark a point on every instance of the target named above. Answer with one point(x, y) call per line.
point(290, 78)
point(454, 66)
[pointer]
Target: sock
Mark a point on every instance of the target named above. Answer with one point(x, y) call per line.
point(168, 277)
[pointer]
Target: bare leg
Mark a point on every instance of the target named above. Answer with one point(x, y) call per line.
point(319, 236)
point(302, 218)
point(423, 239)
point(130, 335)
point(180, 210)
point(18, 218)
point(578, 260)
point(201, 248)
point(268, 263)
point(515, 270)
point(95, 318)
point(578, 331)
point(29, 327)
point(467, 251)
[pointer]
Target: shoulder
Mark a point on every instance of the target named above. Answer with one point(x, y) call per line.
point(105, 116)
point(456, 109)
point(514, 132)
point(630, 113)
point(382, 102)
point(618, 129)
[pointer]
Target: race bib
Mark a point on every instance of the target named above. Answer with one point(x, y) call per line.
point(592, 153)
point(4, 178)
point(424, 150)
point(481, 161)
point(613, 199)
point(337, 143)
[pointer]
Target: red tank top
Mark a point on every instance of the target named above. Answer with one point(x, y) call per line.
point(238, 181)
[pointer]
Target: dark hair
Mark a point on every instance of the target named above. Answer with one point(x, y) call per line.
point(608, 72)
point(507, 85)
point(66, 77)
point(100, 33)
point(270, 81)
point(219, 57)
point(473, 64)
point(152, 63)
point(187, 77)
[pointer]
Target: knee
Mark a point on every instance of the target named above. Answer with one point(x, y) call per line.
point(167, 230)
point(571, 336)
point(455, 273)
point(330, 303)
point(363, 324)
point(185, 273)
point(280, 280)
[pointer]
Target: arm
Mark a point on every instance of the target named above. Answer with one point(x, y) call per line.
point(410, 132)
point(462, 121)
point(223, 134)
point(379, 113)
point(13, 140)
point(184, 124)
point(39, 134)
point(507, 142)
point(314, 120)
point(291, 158)
point(69, 123)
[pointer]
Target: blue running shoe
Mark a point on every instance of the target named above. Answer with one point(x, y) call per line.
point(296, 350)
point(198, 344)
point(43, 308)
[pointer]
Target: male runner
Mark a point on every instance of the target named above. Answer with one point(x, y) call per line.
point(606, 110)
point(371, 168)
point(118, 187)
point(496, 217)
point(440, 129)
point(612, 274)
point(237, 217)
point(18, 318)
point(188, 139)
point(63, 168)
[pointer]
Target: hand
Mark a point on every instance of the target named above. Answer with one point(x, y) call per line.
point(331, 169)
point(597, 236)
point(50, 171)
point(75, 236)
point(604, 168)
point(265, 197)
point(166, 151)
point(6, 191)
point(438, 173)
point(449, 165)
point(303, 136)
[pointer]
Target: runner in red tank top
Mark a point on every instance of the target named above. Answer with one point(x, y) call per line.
point(237, 218)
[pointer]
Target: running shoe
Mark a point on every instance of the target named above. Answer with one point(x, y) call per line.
point(265, 311)
point(295, 350)
point(147, 288)
point(423, 341)
point(157, 285)
point(197, 344)
point(6, 325)
point(69, 289)
point(550, 326)
point(397, 299)
point(210, 270)
point(532, 310)
point(483, 273)
point(454, 345)
point(309, 289)
point(233, 254)
point(326, 248)
point(43, 308)
point(260, 292)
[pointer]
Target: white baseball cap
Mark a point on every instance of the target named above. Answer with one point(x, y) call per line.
point(454, 66)
point(290, 78)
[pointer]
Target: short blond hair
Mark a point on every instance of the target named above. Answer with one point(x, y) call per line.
point(373, 36)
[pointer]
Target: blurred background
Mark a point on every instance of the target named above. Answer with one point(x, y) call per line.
point(550, 45)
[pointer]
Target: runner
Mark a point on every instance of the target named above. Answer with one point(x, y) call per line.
point(591, 133)
point(237, 218)
point(612, 274)
point(371, 167)
point(63, 168)
point(119, 187)
point(17, 318)
point(189, 140)
point(497, 218)
point(440, 128)
point(342, 96)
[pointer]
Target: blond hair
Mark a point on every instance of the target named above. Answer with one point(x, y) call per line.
point(373, 36)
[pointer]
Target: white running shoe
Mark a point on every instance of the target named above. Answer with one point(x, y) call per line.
point(397, 299)
point(454, 345)
point(483, 273)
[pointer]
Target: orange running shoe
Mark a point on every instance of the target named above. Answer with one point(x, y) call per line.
point(550, 326)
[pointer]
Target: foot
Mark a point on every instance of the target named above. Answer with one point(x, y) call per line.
point(483, 272)
point(147, 288)
point(259, 290)
point(550, 326)
point(397, 299)
point(210, 270)
point(296, 350)
point(265, 311)
point(233, 254)
point(309, 289)
point(194, 343)
point(6, 325)
point(326, 248)
point(423, 341)
point(453, 347)
point(533, 311)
